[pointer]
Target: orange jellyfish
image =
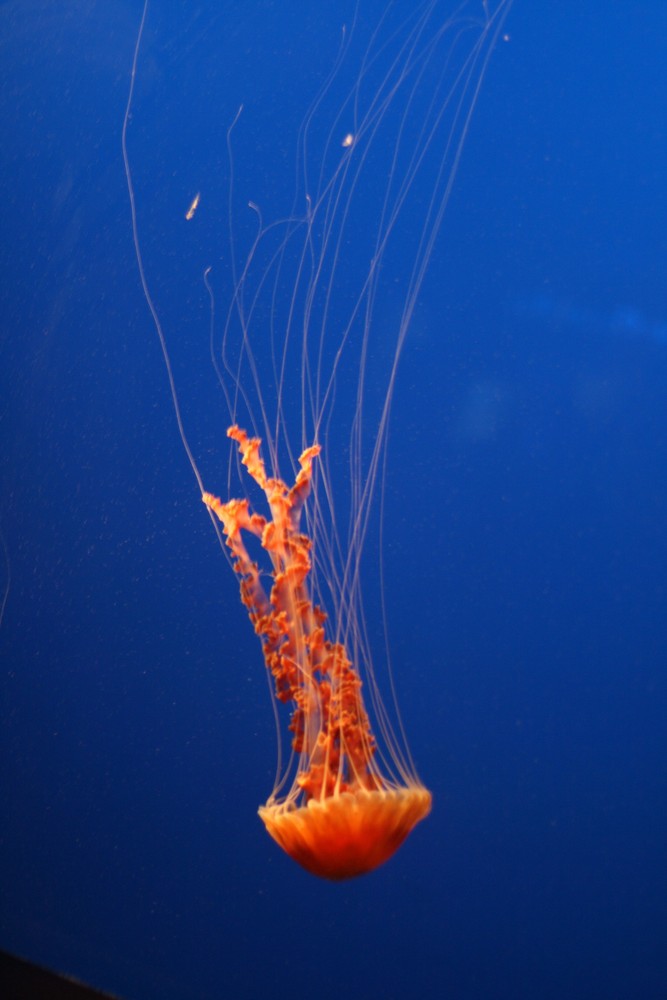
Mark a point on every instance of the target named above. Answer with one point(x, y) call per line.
point(383, 148)
point(342, 816)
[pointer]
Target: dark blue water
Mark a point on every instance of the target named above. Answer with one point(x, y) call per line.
point(525, 530)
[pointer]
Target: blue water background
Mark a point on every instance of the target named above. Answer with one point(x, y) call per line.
point(526, 523)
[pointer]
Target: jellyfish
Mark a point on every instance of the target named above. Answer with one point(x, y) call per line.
point(341, 816)
point(307, 356)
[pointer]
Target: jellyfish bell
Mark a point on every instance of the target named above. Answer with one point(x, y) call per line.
point(349, 833)
point(307, 355)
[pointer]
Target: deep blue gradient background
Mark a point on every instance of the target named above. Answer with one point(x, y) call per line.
point(526, 523)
